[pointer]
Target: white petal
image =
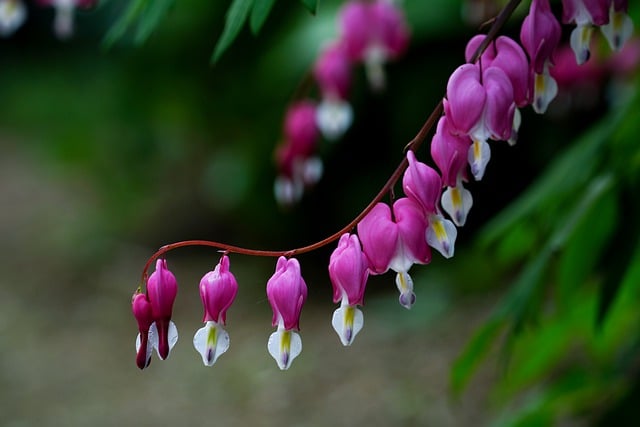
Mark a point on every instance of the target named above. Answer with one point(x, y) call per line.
point(457, 202)
point(211, 341)
point(172, 337)
point(149, 348)
point(545, 90)
point(284, 346)
point(63, 20)
point(404, 282)
point(13, 13)
point(478, 157)
point(441, 235)
point(517, 121)
point(375, 58)
point(347, 321)
point(618, 30)
point(334, 117)
point(312, 170)
point(287, 191)
point(580, 40)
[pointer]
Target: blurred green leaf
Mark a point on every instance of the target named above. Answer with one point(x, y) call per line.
point(259, 14)
point(146, 13)
point(560, 181)
point(580, 256)
point(477, 349)
point(618, 258)
point(235, 19)
point(151, 17)
point(311, 5)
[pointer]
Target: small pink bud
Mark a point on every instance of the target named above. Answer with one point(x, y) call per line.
point(218, 289)
point(540, 34)
point(422, 184)
point(162, 289)
point(348, 270)
point(142, 311)
point(287, 292)
point(449, 152)
point(379, 235)
point(332, 71)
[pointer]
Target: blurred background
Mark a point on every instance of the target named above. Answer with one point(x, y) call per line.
point(109, 153)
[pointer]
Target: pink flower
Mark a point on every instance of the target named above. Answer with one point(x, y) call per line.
point(378, 234)
point(162, 289)
point(480, 105)
point(422, 184)
point(218, 289)
point(540, 35)
point(507, 55)
point(141, 308)
point(450, 153)
point(286, 292)
point(332, 71)
point(297, 164)
point(373, 33)
point(348, 271)
point(396, 243)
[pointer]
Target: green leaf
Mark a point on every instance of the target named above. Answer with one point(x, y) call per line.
point(259, 14)
point(235, 19)
point(311, 5)
point(151, 17)
point(477, 349)
point(619, 257)
point(580, 258)
point(118, 30)
point(146, 14)
point(559, 182)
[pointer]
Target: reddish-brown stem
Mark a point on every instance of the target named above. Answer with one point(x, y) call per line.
point(413, 145)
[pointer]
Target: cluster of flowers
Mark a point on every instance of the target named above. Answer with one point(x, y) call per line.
point(13, 13)
point(392, 238)
point(481, 103)
point(370, 33)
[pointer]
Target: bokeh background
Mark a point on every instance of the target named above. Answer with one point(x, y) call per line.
point(109, 153)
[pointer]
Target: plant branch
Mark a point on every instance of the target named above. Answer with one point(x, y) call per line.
point(413, 145)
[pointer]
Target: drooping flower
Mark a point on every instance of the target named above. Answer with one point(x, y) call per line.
point(13, 13)
point(411, 247)
point(507, 55)
point(396, 242)
point(422, 184)
point(540, 34)
point(218, 289)
point(480, 104)
point(379, 235)
point(348, 271)
point(64, 11)
point(332, 71)
point(297, 163)
point(374, 33)
point(585, 14)
point(286, 292)
point(142, 311)
point(620, 26)
point(162, 289)
point(449, 152)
